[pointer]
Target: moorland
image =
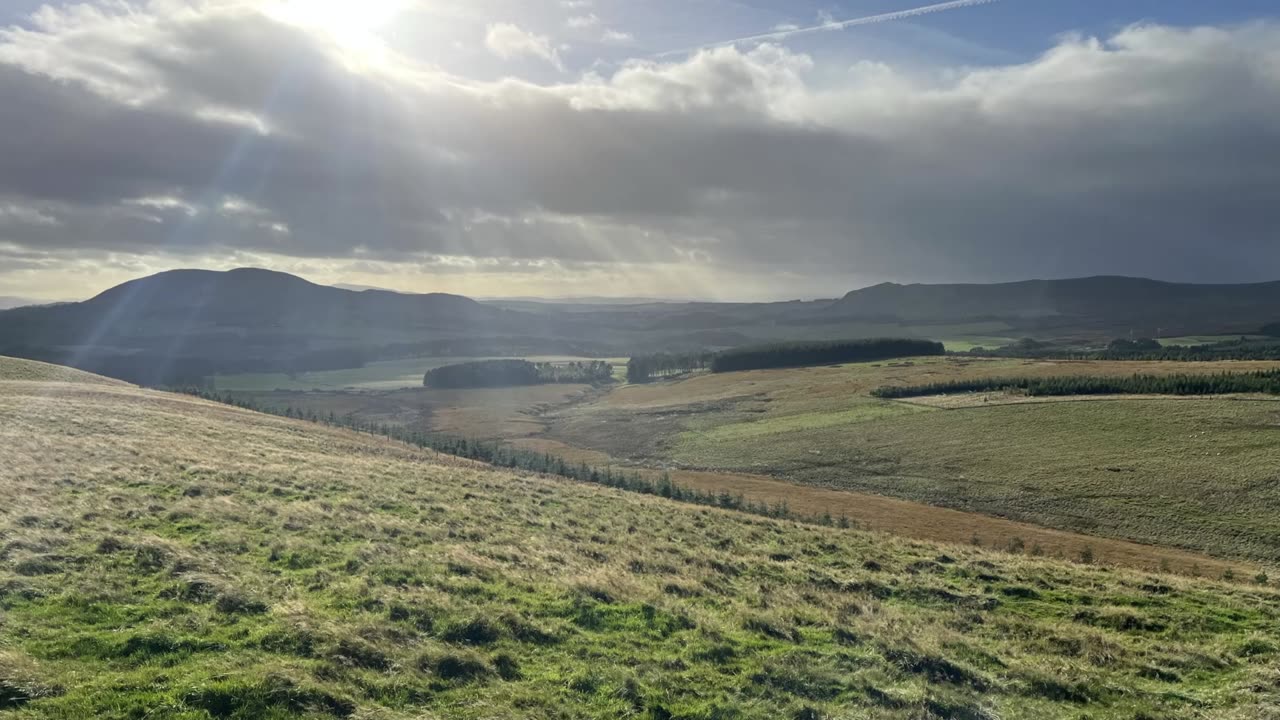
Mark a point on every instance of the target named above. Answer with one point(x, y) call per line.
point(181, 558)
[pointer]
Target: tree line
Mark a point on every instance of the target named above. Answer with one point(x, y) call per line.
point(1141, 349)
point(501, 455)
point(508, 373)
point(1262, 381)
point(1242, 349)
point(643, 368)
point(800, 354)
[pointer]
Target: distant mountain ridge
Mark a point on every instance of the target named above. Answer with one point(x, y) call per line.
point(1112, 301)
point(181, 326)
point(8, 302)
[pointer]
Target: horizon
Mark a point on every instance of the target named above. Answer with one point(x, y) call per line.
point(760, 153)
point(611, 299)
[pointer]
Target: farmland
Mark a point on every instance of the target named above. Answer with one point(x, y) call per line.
point(201, 561)
point(382, 375)
point(1147, 469)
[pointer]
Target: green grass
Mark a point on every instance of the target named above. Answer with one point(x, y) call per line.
point(179, 559)
point(1195, 474)
point(1192, 473)
point(860, 412)
point(383, 375)
point(967, 343)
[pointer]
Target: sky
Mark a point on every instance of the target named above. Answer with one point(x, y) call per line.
point(718, 149)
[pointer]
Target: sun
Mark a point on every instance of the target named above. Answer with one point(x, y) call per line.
point(354, 24)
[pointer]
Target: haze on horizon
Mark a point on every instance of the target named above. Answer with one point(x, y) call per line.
point(560, 148)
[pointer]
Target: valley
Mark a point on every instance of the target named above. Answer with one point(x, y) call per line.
point(867, 549)
point(1047, 478)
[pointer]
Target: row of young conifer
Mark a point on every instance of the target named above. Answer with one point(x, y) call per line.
point(505, 456)
point(643, 368)
point(1262, 381)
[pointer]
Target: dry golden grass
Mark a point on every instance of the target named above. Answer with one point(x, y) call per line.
point(1186, 473)
point(801, 387)
point(34, 371)
point(920, 521)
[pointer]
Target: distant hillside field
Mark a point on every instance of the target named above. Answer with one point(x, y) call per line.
point(1195, 474)
point(177, 558)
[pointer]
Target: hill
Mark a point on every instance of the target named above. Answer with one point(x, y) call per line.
point(7, 302)
point(1118, 304)
point(176, 327)
point(180, 327)
point(177, 558)
point(13, 369)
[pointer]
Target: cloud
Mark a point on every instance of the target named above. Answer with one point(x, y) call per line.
point(1149, 152)
point(583, 21)
point(508, 41)
point(611, 35)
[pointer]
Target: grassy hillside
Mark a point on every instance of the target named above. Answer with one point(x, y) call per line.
point(1190, 473)
point(174, 558)
point(32, 371)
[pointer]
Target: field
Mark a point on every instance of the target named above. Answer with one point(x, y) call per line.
point(177, 558)
point(1190, 473)
point(479, 413)
point(960, 337)
point(1190, 340)
point(382, 375)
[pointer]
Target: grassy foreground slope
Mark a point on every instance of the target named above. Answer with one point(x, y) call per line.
point(167, 557)
point(13, 369)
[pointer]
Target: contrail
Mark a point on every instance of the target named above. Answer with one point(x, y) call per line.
point(838, 25)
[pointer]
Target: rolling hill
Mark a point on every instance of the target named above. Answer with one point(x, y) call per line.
point(181, 325)
point(176, 558)
point(1116, 304)
point(8, 302)
point(176, 328)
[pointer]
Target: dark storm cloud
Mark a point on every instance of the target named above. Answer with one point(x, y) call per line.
point(1155, 152)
